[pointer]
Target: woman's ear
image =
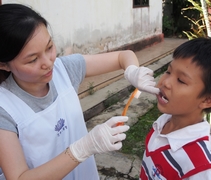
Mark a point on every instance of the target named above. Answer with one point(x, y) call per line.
point(4, 66)
point(206, 103)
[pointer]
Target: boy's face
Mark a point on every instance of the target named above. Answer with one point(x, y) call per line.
point(180, 87)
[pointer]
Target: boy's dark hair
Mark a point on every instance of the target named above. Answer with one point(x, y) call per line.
point(17, 24)
point(199, 50)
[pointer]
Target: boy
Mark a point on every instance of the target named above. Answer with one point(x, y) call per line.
point(178, 145)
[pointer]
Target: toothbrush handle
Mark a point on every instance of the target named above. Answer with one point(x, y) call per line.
point(127, 105)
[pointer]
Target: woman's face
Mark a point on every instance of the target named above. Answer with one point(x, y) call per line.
point(33, 67)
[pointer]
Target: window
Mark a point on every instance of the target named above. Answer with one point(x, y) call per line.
point(140, 3)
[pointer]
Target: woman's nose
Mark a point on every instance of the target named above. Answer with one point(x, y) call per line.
point(46, 62)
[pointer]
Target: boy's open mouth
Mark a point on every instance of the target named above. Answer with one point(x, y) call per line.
point(163, 97)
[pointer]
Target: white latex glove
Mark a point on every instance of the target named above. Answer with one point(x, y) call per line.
point(102, 138)
point(141, 78)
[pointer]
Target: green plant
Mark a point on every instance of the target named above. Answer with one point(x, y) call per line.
point(91, 89)
point(173, 22)
point(198, 26)
point(161, 70)
point(109, 94)
point(112, 98)
point(135, 141)
point(207, 117)
point(168, 26)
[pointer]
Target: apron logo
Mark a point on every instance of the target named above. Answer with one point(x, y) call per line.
point(60, 127)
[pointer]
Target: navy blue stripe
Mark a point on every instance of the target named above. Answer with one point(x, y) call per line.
point(202, 143)
point(173, 162)
point(146, 170)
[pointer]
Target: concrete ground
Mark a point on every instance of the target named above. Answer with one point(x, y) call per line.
point(112, 87)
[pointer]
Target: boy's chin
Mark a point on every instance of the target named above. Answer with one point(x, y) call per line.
point(162, 110)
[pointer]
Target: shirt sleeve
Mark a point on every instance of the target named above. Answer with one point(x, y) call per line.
point(201, 175)
point(76, 68)
point(7, 122)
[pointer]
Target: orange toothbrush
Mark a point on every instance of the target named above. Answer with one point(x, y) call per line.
point(136, 93)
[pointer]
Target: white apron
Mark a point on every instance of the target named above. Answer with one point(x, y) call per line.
point(46, 134)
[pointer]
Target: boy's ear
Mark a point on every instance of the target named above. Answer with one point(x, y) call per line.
point(4, 66)
point(206, 103)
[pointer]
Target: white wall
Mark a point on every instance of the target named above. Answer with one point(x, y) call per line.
point(93, 26)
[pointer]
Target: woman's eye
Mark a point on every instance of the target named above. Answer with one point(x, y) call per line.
point(167, 72)
point(33, 60)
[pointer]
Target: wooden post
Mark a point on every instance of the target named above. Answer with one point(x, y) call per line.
point(0, 2)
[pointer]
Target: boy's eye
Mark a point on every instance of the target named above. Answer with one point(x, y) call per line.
point(181, 81)
point(50, 47)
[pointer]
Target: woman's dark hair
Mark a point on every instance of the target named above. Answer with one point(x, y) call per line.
point(199, 50)
point(17, 25)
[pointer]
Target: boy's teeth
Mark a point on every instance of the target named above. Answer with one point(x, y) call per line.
point(164, 99)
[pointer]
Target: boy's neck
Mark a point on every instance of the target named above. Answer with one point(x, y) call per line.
point(176, 123)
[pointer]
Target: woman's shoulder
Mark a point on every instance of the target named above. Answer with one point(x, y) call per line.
point(7, 123)
point(71, 57)
point(72, 62)
point(75, 66)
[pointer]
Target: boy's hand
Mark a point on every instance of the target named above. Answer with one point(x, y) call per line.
point(141, 78)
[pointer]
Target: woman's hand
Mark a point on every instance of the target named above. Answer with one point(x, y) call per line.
point(141, 78)
point(102, 138)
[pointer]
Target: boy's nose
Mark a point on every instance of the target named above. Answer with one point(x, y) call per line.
point(167, 83)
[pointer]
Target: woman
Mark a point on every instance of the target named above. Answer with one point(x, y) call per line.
point(42, 130)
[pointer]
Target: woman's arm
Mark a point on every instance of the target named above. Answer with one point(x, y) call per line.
point(102, 138)
point(140, 77)
point(107, 62)
point(14, 166)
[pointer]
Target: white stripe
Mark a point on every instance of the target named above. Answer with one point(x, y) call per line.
point(182, 159)
point(207, 143)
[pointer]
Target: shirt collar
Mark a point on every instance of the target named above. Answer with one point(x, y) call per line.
point(183, 136)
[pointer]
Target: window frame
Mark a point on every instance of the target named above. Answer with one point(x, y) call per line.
point(141, 5)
